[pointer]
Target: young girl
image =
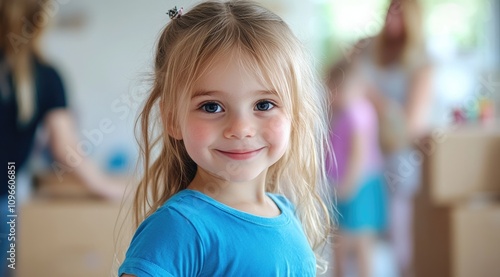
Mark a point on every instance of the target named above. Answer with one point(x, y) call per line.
point(357, 171)
point(241, 118)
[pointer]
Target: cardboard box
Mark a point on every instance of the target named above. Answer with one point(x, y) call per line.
point(463, 162)
point(49, 185)
point(70, 186)
point(461, 239)
point(61, 238)
point(476, 241)
point(432, 239)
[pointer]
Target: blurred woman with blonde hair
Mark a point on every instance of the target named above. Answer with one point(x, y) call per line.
point(400, 71)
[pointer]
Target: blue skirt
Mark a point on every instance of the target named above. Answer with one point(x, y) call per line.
point(366, 210)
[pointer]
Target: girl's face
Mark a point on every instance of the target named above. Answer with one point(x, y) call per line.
point(235, 127)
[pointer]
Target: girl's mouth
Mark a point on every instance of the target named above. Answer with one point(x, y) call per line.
point(240, 154)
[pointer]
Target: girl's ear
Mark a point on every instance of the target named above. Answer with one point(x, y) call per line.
point(171, 127)
point(174, 130)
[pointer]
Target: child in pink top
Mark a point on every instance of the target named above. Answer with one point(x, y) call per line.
point(356, 170)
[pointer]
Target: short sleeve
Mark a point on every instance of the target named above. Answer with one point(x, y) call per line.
point(50, 89)
point(165, 244)
point(362, 116)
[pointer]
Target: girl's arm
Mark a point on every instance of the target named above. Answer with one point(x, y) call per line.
point(63, 139)
point(354, 165)
point(378, 101)
point(419, 99)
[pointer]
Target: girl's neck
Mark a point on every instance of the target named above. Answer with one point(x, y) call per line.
point(248, 196)
point(391, 50)
point(347, 104)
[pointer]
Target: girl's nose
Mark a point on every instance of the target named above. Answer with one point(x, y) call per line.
point(239, 127)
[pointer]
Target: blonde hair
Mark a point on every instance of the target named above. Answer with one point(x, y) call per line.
point(413, 39)
point(187, 47)
point(19, 44)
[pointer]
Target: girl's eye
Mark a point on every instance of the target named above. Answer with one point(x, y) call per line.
point(211, 107)
point(264, 106)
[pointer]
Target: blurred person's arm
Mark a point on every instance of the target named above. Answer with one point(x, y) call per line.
point(354, 167)
point(378, 100)
point(417, 105)
point(63, 137)
point(419, 99)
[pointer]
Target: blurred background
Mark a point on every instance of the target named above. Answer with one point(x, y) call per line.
point(103, 51)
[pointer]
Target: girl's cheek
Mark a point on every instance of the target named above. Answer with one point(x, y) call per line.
point(199, 131)
point(278, 128)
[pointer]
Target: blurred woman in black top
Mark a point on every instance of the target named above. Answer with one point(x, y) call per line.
point(32, 94)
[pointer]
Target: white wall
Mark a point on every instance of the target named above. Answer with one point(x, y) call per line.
point(104, 55)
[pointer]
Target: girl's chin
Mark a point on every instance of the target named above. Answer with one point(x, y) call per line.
point(236, 176)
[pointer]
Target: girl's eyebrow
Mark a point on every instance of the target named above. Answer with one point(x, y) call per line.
point(200, 93)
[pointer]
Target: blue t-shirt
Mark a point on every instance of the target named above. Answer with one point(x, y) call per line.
point(194, 235)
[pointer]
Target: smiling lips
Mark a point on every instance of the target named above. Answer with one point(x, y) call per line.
point(240, 154)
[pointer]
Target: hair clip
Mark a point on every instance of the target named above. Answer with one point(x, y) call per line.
point(175, 13)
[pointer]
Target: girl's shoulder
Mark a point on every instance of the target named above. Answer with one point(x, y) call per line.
point(361, 113)
point(282, 202)
point(176, 210)
point(186, 203)
point(162, 238)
